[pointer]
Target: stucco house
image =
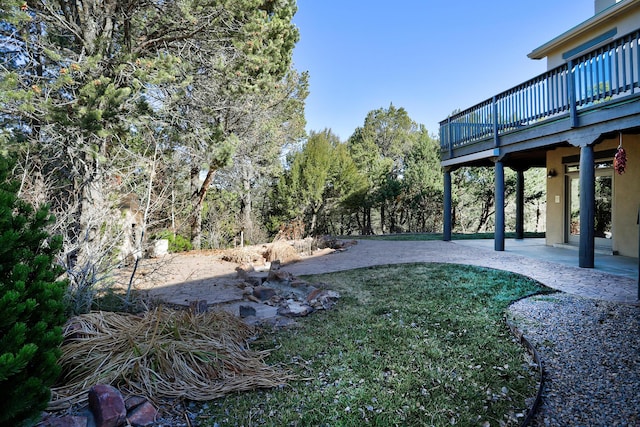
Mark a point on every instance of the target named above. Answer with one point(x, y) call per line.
point(573, 120)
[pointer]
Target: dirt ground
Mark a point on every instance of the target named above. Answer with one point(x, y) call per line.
point(184, 278)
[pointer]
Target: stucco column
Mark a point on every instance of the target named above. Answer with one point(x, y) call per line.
point(499, 202)
point(519, 204)
point(587, 207)
point(446, 232)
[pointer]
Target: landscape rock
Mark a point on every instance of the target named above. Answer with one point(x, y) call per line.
point(107, 405)
point(323, 299)
point(243, 270)
point(293, 308)
point(254, 280)
point(263, 293)
point(142, 415)
point(279, 276)
point(262, 267)
point(298, 283)
point(133, 402)
point(158, 248)
point(247, 311)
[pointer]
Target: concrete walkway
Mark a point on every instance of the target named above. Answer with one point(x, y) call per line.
point(614, 278)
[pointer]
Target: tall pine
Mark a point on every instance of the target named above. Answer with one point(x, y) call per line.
point(31, 307)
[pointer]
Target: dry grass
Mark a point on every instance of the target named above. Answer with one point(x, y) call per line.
point(244, 255)
point(282, 251)
point(161, 354)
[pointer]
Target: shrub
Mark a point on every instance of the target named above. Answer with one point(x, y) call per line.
point(31, 303)
point(177, 242)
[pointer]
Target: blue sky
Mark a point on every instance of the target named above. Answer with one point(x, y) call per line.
point(427, 56)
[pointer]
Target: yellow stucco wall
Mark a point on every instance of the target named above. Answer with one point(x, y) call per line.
point(624, 25)
point(623, 17)
point(626, 196)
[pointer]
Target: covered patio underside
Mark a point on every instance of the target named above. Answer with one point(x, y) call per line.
point(527, 148)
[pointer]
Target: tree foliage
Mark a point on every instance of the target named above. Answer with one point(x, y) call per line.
point(320, 177)
point(381, 148)
point(385, 178)
point(31, 303)
point(473, 190)
point(107, 100)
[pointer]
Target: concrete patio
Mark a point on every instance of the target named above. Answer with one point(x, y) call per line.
point(566, 255)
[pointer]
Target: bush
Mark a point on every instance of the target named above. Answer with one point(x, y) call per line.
point(31, 303)
point(177, 242)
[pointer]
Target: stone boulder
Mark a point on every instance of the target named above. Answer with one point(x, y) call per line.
point(107, 405)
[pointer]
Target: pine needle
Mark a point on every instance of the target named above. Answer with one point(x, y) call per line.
point(161, 354)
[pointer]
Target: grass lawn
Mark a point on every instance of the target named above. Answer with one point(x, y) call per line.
point(409, 345)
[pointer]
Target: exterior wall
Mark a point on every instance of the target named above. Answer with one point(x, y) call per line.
point(623, 25)
point(601, 5)
point(612, 19)
point(626, 189)
point(626, 196)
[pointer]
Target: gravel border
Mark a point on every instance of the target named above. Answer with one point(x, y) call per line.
point(524, 342)
point(590, 351)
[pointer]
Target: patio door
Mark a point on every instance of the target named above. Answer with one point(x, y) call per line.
point(603, 206)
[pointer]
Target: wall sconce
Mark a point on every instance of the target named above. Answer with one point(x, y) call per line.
point(551, 173)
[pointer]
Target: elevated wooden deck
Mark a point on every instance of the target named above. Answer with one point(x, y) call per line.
point(586, 99)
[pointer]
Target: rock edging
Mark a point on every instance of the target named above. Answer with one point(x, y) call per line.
point(107, 408)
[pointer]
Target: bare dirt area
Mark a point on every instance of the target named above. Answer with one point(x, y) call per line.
point(231, 280)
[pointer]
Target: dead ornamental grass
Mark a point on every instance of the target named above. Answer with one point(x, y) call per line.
point(161, 354)
point(279, 250)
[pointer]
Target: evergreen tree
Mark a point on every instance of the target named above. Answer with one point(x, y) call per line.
point(31, 303)
point(422, 193)
point(380, 148)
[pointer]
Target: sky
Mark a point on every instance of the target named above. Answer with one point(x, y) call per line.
point(430, 57)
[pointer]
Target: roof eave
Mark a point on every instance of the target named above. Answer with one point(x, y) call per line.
point(586, 26)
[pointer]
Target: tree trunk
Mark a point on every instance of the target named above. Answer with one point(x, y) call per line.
point(314, 221)
point(83, 246)
point(198, 194)
point(369, 229)
point(393, 227)
point(246, 206)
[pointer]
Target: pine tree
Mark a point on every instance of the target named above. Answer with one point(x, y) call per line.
point(31, 307)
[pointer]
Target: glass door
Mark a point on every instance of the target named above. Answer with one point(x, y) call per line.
point(573, 209)
point(603, 207)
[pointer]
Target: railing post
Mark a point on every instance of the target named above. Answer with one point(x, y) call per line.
point(494, 105)
point(450, 137)
point(571, 88)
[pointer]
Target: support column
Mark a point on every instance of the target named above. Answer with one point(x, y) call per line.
point(587, 207)
point(499, 202)
point(446, 233)
point(519, 204)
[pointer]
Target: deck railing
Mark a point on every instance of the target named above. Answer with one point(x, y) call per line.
point(597, 77)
